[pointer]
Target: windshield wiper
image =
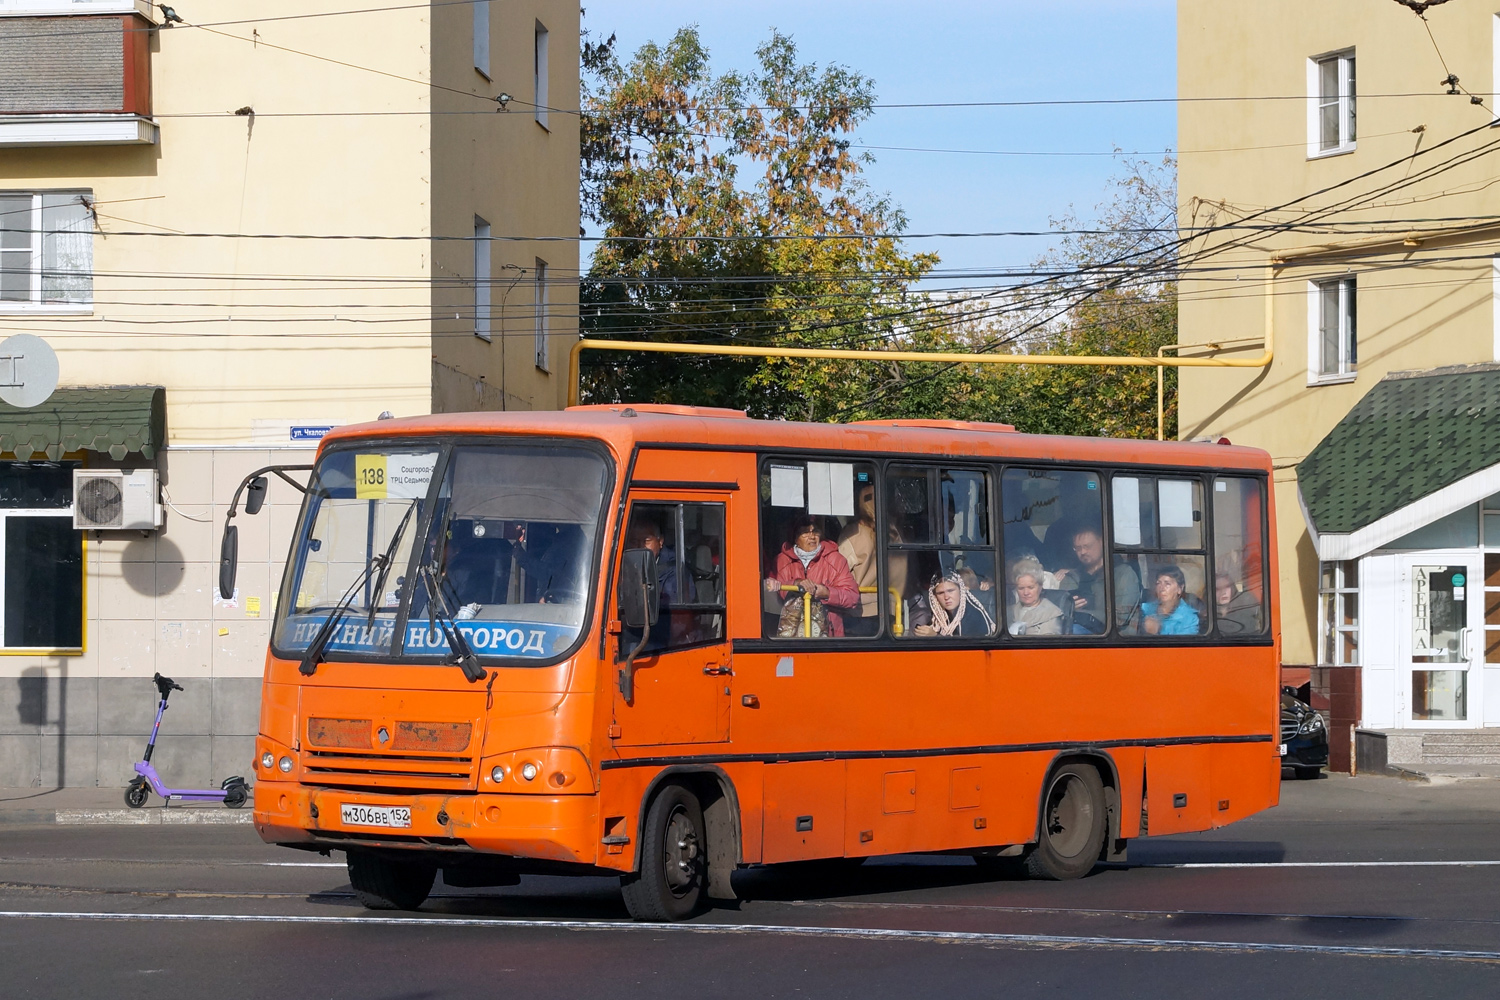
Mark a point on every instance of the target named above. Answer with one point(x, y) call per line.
point(463, 653)
point(386, 561)
point(314, 654)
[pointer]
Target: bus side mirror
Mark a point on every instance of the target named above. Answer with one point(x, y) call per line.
point(640, 598)
point(255, 495)
point(229, 555)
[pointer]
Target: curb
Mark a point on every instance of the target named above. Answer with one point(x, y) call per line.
point(152, 817)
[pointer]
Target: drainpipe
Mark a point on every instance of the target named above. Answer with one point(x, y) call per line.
point(928, 357)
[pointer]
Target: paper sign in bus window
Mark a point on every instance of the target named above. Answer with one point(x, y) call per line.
point(393, 477)
point(1175, 497)
point(786, 486)
point(1127, 510)
point(830, 488)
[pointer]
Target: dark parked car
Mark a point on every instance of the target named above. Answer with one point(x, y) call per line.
point(1305, 735)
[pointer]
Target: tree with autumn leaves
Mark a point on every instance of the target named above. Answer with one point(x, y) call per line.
point(734, 212)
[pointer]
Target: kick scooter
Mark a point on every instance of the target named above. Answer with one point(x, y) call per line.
point(232, 793)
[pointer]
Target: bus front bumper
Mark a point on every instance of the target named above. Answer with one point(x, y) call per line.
point(545, 827)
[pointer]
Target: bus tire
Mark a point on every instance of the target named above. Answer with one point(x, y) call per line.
point(383, 884)
point(673, 878)
point(1072, 827)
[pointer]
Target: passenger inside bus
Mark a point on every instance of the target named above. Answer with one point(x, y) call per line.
point(475, 569)
point(552, 556)
point(809, 563)
point(1033, 611)
point(645, 532)
point(1090, 614)
point(1238, 610)
point(1171, 613)
point(950, 608)
point(857, 546)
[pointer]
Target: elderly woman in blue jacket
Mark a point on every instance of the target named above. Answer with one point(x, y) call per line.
point(1169, 614)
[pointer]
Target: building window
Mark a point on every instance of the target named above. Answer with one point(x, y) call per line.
point(482, 279)
point(1331, 104)
point(46, 250)
point(1334, 352)
point(543, 358)
point(1338, 614)
point(481, 10)
point(540, 76)
point(41, 588)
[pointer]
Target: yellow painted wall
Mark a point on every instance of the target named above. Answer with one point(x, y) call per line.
point(347, 138)
point(1241, 157)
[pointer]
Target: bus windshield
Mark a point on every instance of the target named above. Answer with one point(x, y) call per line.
point(506, 541)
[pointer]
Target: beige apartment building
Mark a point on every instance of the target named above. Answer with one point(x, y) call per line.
point(238, 229)
point(1345, 219)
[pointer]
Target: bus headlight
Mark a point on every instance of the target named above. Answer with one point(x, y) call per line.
point(528, 771)
point(497, 773)
point(285, 764)
point(268, 760)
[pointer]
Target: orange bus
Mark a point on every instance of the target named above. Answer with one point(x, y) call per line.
point(666, 643)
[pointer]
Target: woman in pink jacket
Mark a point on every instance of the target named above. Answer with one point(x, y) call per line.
point(814, 565)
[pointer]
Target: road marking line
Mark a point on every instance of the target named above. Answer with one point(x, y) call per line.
point(1051, 941)
point(1322, 864)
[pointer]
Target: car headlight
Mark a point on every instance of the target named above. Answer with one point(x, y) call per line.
point(1311, 723)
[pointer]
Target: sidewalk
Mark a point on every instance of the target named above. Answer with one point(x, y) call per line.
point(104, 807)
point(1442, 774)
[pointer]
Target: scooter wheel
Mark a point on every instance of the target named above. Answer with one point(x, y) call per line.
point(136, 793)
point(236, 796)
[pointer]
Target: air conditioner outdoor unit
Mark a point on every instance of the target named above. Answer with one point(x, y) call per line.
point(114, 499)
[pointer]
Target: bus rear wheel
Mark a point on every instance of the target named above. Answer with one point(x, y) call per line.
point(1072, 826)
point(383, 884)
point(673, 875)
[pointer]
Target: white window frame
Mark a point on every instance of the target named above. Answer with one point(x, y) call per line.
point(1345, 101)
point(484, 279)
point(1345, 585)
point(481, 9)
point(543, 339)
point(1348, 320)
point(539, 76)
point(32, 256)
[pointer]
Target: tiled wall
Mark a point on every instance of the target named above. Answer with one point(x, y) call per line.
point(152, 606)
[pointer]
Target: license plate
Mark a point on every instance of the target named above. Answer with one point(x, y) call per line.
point(353, 814)
point(1283, 749)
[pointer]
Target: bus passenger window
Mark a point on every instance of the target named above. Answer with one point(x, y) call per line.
point(688, 539)
point(819, 574)
point(1053, 535)
point(941, 569)
point(1159, 556)
point(1239, 576)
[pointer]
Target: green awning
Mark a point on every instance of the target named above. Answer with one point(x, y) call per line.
point(111, 419)
point(1412, 434)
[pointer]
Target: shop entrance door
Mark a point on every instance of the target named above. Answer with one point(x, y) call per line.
point(1441, 644)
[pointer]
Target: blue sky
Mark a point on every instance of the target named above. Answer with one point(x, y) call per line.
point(1000, 50)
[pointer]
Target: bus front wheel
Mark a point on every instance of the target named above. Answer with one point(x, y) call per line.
point(1072, 827)
point(383, 884)
point(673, 875)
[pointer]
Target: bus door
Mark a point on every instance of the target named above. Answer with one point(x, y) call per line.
point(681, 677)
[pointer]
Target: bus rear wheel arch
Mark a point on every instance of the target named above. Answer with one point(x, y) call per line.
point(1073, 823)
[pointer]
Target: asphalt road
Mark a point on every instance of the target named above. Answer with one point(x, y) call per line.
point(1364, 888)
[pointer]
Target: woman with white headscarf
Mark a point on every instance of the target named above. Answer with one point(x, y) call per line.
point(952, 610)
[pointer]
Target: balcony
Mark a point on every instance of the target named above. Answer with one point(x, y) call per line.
point(77, 73)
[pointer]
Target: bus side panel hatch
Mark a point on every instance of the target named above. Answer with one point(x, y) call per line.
point(1178, 789)
point(803, 815)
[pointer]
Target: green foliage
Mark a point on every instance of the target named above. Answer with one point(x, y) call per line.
point(696, 255)
point(724, 197)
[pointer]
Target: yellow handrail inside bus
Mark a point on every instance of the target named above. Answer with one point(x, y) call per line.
point(806, 608)
point(896, 602)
